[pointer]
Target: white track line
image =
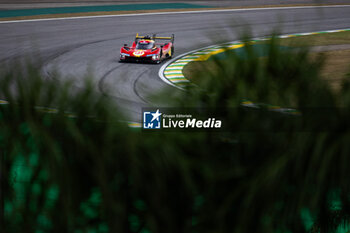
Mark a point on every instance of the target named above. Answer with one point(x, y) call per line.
point(176, 12)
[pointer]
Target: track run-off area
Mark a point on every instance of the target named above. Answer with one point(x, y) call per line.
point(172, 72)
point(90, 45)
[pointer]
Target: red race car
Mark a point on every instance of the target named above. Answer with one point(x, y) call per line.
point(147, 49)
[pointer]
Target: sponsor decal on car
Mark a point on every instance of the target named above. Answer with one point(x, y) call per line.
point(138, 53)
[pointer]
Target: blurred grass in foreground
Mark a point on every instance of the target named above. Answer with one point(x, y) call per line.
point(334, 47)
point(89, 173)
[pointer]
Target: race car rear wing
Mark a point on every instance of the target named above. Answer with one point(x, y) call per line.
point(155, 37)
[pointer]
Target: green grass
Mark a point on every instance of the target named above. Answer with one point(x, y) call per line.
point(336, 38)
point(266, 173)
point(337, 60)
point(92, 9)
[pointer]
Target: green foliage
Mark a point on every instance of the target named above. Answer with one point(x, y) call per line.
point(78, 169)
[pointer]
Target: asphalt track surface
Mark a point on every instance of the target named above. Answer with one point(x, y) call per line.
point(80, 46)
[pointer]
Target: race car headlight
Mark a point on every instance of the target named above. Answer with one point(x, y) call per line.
point(123, 55)
point(155, 57)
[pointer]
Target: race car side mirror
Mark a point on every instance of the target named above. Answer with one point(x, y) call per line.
point(126, 47)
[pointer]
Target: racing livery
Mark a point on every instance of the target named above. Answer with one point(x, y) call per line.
point(148, 49)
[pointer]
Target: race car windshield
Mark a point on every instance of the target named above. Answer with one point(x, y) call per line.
point(144, 45)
